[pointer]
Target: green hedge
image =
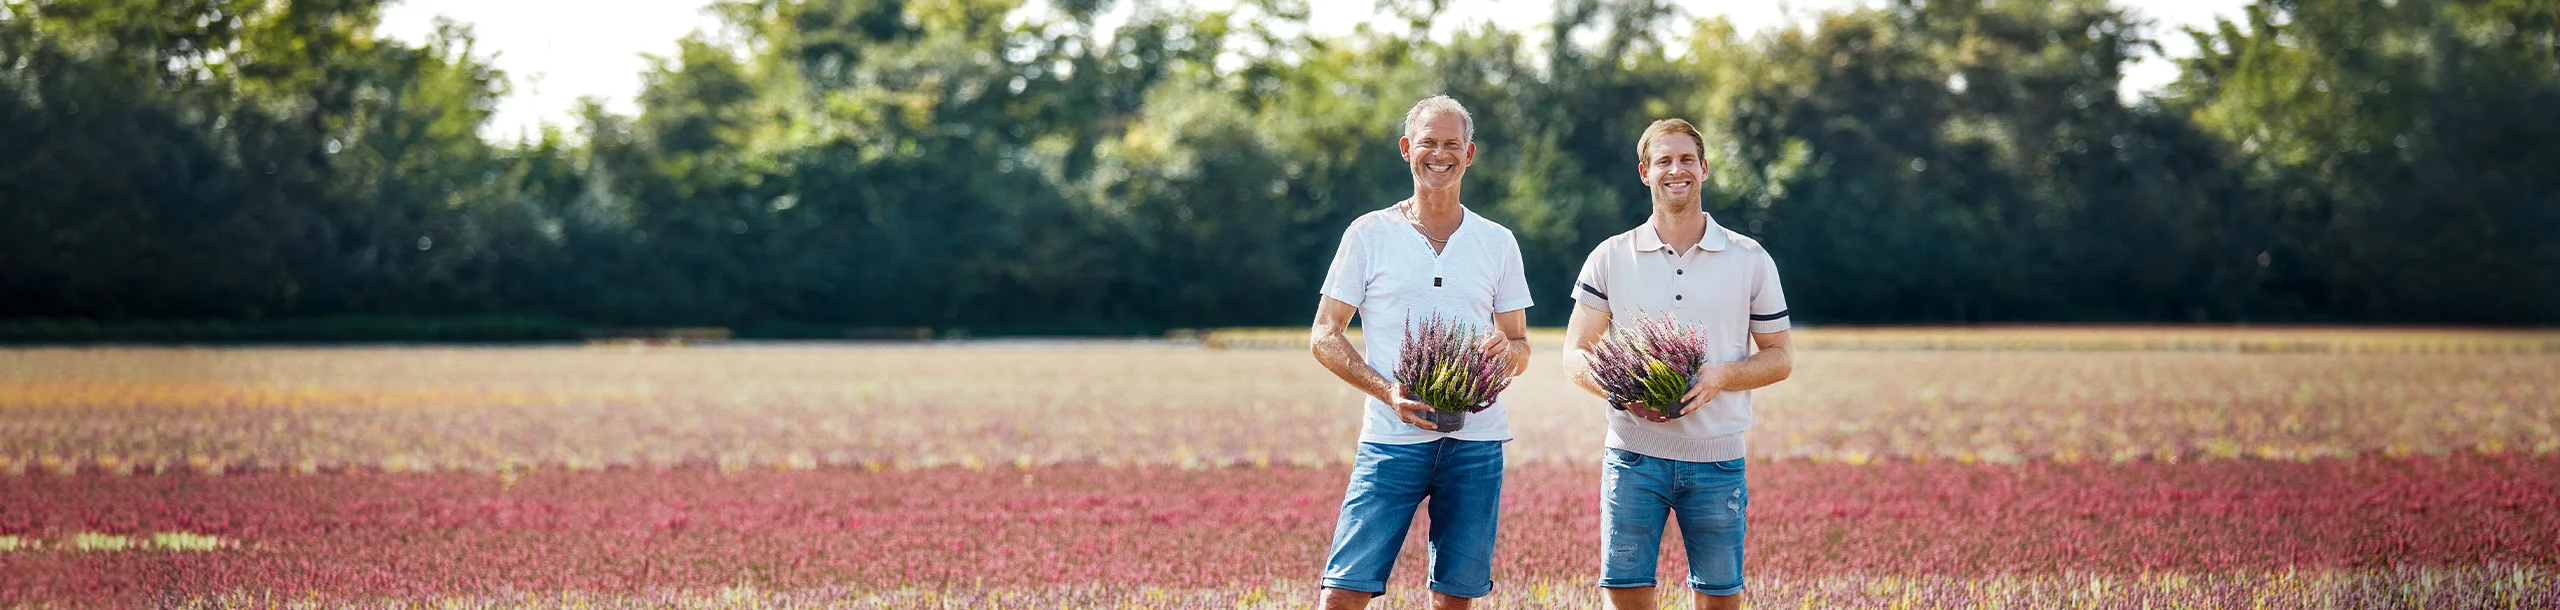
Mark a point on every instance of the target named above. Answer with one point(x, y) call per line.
point(343, 329)
point(483, 329)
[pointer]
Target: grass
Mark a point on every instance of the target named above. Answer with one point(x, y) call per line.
point(707, 476)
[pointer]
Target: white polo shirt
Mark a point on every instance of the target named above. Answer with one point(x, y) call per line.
point(1726, 286)
point(1388, 270)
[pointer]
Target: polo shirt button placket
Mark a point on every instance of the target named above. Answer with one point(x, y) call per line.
point(1675, 259)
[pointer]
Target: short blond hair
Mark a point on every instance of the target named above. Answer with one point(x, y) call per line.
point(1644, 145)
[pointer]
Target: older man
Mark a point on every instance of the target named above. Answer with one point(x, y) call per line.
point(1424, 256)
point(1680, 264)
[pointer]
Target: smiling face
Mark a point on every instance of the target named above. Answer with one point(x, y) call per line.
point(1437, 150)
point(1674, 169)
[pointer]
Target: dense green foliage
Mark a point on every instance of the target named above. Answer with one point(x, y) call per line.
point(960, 163)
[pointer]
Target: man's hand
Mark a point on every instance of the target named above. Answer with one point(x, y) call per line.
point(1408, 409)
point(1334, 351)
point(1517, 350)
point(1704, 386)
point(1513, 327)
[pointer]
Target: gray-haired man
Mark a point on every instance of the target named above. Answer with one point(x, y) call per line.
point(1423, 256)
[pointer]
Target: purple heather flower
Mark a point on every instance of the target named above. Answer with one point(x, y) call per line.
point(1445, 365)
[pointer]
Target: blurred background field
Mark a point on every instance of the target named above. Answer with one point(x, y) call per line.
point(1858, 395)
point(1929, 467)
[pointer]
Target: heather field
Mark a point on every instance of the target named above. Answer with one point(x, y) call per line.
point(2027, 468)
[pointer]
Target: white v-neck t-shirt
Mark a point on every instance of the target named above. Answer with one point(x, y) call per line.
point(1388, 270)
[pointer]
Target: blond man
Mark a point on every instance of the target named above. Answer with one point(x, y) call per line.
point(1686, 465)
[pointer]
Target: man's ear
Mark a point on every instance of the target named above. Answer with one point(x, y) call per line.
point(1471, 154)
point(1404, 148)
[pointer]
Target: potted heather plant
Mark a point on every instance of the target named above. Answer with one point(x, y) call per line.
point(1445, 365)
point(1654, 360)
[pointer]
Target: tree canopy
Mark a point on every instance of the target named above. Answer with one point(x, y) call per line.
point(975, 164)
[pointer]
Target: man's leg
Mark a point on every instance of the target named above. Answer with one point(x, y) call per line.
point(1713, 509)
point(1710, 602)
point(1343, 599)
point(1634, 495)
point(1466, 505)
point(1387, 482)
point(1631, 598)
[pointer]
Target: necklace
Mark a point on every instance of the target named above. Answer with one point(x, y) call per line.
point(1406, 207)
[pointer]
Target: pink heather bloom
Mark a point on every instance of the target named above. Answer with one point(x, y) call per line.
point(1445, 365)
point(1652, 360)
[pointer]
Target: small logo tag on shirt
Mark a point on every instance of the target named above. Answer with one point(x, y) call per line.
point(1435, 282)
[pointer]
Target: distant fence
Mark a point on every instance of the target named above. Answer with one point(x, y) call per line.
point(657, 336)
point(890, 333)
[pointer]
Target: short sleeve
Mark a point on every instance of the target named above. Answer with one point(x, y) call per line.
point(1348, 279)
point(1591, 287)
point(1768, 300)
point(1511, 292)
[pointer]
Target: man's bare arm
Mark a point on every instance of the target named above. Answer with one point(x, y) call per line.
point(1772, 364)
point(1582, 334)
point(1514, 325)
point(1333, 349)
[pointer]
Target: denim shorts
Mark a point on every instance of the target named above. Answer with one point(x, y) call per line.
point(1708, 498)
point(1462, 480)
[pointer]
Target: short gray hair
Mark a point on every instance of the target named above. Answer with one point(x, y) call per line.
point(1438, 103)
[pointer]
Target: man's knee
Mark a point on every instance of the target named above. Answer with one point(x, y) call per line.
point(1345, 599)
point(1630, 598)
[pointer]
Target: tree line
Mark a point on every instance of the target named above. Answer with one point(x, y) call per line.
point(824, 164)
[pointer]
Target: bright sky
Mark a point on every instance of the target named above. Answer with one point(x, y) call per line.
point(557, 51)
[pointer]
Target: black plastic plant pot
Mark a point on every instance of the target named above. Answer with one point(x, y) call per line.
point(1444, 421)
point(1674, 411)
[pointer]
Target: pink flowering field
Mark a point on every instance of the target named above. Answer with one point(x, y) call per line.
point(1896, 469)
